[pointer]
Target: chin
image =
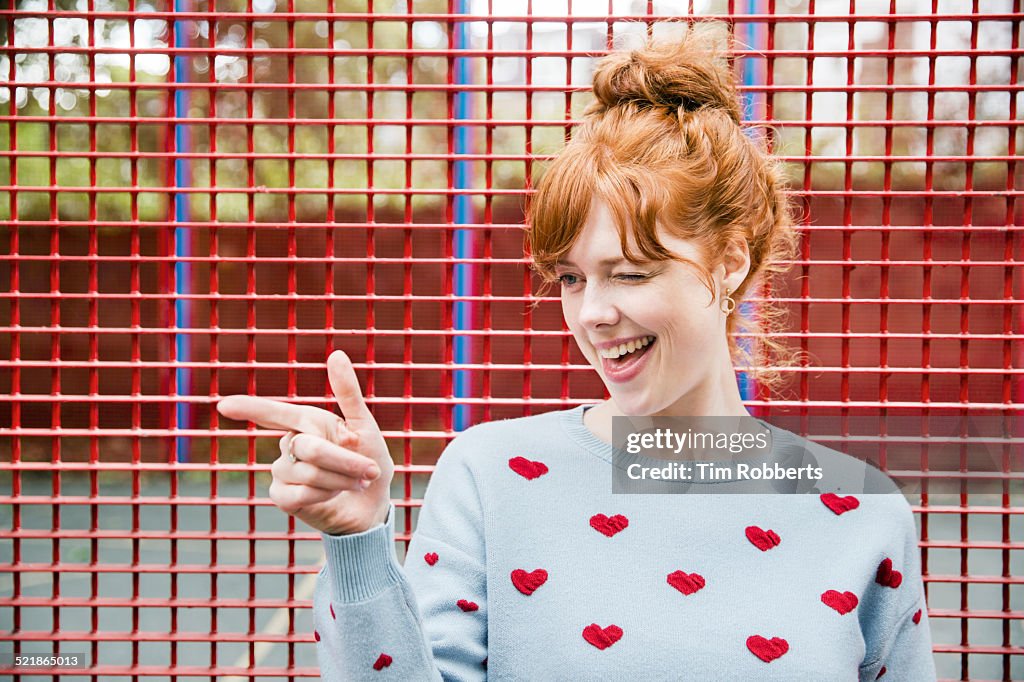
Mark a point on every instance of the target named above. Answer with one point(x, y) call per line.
point(635, 407)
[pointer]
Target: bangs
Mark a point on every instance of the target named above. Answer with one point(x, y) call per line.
point(636, 198)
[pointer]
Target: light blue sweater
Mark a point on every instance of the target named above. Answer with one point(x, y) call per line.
point(525, 566)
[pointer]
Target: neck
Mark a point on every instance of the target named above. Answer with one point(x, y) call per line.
point(718, 395)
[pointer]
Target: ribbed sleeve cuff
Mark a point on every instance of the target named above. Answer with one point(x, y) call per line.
point(362, 565)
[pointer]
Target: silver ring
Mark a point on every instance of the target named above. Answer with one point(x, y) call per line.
point(291, 453)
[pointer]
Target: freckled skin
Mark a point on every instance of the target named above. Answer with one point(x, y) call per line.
point(689, 371)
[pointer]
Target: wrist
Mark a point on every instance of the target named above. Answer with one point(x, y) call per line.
point(377, 520)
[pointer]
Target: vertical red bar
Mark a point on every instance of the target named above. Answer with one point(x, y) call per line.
point(883, 286)
point(448, 289)
point(214, 289)
point(250, 290)
point(55, 320)
point(136, 322)
point(94, 355)
point(805, 242)
point(330, 218)
point(371, 216)
point(407, 257)
point(847, 256)
point(291, 325)
point(489, 210)
point(1009, 236)
point(761, 392)
point(527, 280)
point(168, 339)
point(14, 231)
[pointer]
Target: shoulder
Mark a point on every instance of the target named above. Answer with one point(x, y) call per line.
point(500, 433)
point(841, 473)
point(488, 443)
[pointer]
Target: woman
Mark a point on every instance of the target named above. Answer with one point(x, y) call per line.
point(655, 220)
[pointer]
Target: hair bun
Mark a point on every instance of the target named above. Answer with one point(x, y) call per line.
point(679, 75)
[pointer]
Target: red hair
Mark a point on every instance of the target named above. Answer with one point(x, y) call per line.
point(662, 145)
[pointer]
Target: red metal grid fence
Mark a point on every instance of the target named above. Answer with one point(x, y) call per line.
point(205, 198)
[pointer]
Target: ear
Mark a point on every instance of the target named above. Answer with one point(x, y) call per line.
point(736, 262)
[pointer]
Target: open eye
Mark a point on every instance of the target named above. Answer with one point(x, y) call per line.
point(562, 279)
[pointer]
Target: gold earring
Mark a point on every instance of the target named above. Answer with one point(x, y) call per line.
point(728, 303)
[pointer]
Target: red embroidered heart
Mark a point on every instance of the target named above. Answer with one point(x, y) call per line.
point(767, 649)
point(526, 468)
point(467, 605)
point(430, 558)
point(608, 525)
point(886, 576)
point(917, 617)
point(880, 672)
point(763, 540)
point(686, 583)
point(600, 637)
point(528, 582)
point(840, 505)
point(843, 602)
point(316, 635)
point(332, 613)
point(382, 662)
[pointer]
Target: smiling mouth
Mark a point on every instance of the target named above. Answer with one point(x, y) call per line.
point(628, 358)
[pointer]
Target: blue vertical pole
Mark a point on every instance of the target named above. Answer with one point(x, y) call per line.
point(182, 238)
point(747, 386)
point(464, 274)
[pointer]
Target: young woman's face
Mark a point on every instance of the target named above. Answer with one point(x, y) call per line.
point(605, 301)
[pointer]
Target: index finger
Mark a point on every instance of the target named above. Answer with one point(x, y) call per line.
point(274, 414)
point(345, 384)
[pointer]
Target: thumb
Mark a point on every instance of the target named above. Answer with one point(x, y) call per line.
point(346, 388)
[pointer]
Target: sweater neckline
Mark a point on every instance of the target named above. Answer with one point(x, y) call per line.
point(572, 422)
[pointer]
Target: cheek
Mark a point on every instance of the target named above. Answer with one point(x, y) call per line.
point(682, 316)
point(570, 313)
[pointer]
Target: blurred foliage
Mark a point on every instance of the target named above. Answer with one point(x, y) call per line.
point(345, 113)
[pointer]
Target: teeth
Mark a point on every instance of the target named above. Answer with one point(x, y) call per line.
point(622, 349)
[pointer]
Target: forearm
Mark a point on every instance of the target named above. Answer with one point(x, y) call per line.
point(368, 619)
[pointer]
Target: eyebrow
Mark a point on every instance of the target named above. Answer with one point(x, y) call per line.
point(606, 261)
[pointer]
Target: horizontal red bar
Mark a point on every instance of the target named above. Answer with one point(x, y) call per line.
point(494, 262)
point(279, 298)
point(493, 87)
point(143, 602)
point(64, 534)
point(206, 467)
point(373, 17)
point(528, 334)
point(28, 119)
point(58, 363)
point(155, 399)
point(152, 636)
point(980, 613)
point(163, 671)
point(107, 500)
point(325, 225)
point(263, 190)
point(306, 156)
point(158, 603)
point(973, 544)
point(472, 53)
point(223, 569)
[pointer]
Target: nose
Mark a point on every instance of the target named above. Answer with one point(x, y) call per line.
point(598, 308)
